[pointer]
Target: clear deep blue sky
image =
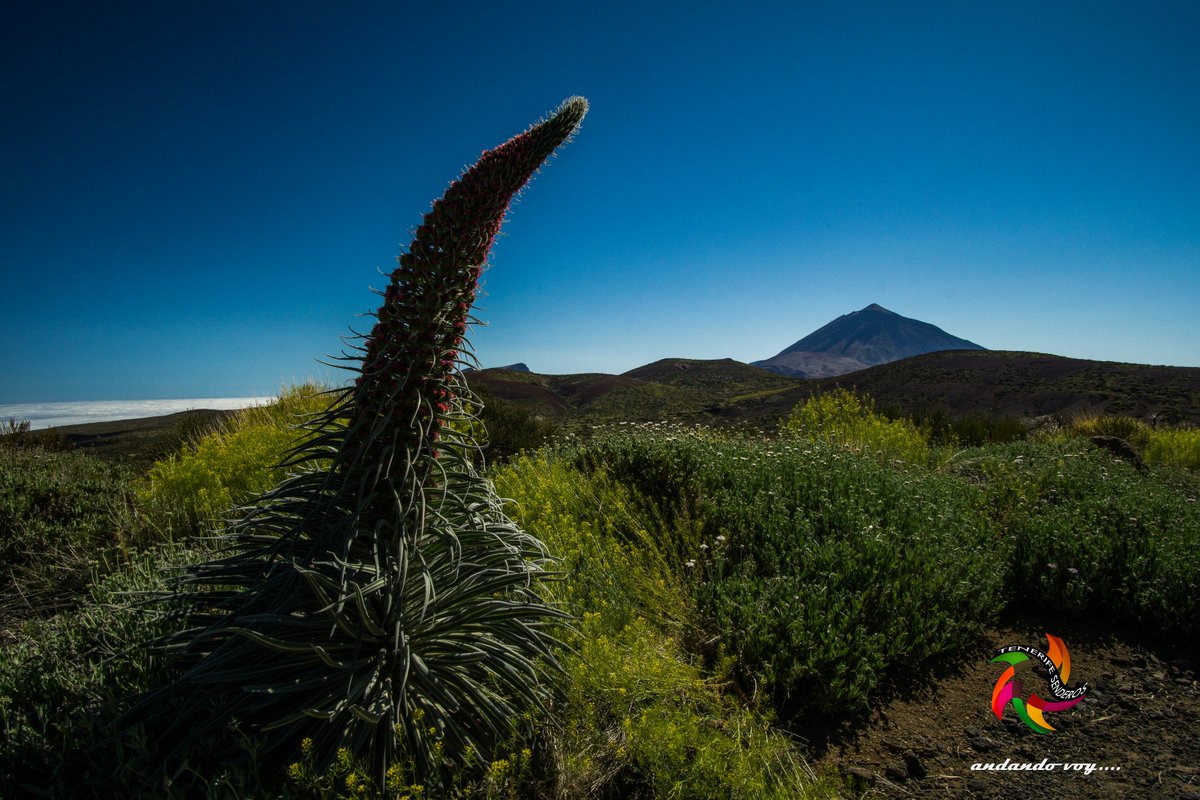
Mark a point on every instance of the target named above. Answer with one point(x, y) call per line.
point(196, 197)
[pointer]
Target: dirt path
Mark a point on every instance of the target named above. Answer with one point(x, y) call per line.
point(1141, 715)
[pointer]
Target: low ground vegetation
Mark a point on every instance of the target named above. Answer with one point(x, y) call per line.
point(1177, 446)
point(842, 550)
point(215, 471)
point(58, 512)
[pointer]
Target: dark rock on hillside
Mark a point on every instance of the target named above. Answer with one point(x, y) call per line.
point(1121, 449)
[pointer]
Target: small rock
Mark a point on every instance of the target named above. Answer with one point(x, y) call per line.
point(982, 745)
point(896, 772)
point(1120, 661)
point(972, 732)
point(1190, 793)
point(914, 765)
point(863, 775)
point(1121, 449)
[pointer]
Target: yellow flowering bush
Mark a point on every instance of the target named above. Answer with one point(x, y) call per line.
point(198, 487)
point(846, 420)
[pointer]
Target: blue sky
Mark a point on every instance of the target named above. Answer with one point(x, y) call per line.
point(197, 197)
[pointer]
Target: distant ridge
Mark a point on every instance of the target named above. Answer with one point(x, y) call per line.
point(977, 382)
point(679, 389)
point(999, 383)
point(520, 366)
point(864, 338)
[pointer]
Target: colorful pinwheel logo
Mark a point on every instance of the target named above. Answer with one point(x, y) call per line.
point(1058, 664)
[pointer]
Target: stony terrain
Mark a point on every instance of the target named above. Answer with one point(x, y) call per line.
point(1139, 725)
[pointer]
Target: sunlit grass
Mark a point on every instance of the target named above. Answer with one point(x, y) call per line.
point(197, 487)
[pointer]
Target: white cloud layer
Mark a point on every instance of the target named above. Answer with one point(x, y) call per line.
point(50, 415)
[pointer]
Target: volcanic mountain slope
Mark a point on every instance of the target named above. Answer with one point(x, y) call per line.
point(997, 383)
point(958, 383)
point(680, 389)
point(861, 339)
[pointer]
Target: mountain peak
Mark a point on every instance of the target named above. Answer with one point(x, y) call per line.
point(873, 335)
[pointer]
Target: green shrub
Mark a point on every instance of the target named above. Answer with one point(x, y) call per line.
point(609, 548)
point(14, 427)
point(19, 433)
point(832, 568)
point(1092, 535)
point(508, 428)
point(638, 713)
point(1175, 447)
point(639, 719)
point(62, 678)
point(1134, 431)
point(972, 430)
point(848, 421)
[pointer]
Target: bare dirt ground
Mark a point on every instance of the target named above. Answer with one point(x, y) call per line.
point(1139, 725)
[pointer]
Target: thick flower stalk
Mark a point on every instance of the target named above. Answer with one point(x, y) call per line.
point(382, 601)
point(411, 352)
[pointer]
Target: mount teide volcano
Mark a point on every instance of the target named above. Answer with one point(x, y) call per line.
point(859, 340)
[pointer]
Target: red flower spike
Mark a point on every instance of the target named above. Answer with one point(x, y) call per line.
point(420, 327)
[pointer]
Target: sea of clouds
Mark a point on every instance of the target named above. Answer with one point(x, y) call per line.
point(51, 415)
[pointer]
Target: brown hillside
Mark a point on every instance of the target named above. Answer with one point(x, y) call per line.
point(959, 383)
point(528, 389)
point(1001, 383)
point(716, 391)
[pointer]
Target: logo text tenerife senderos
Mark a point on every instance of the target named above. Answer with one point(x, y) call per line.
point(1057, 662)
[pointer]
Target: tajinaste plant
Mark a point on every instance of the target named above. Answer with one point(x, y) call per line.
point(383, 602)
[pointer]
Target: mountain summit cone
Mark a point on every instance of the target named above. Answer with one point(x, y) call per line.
point(873, 335)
